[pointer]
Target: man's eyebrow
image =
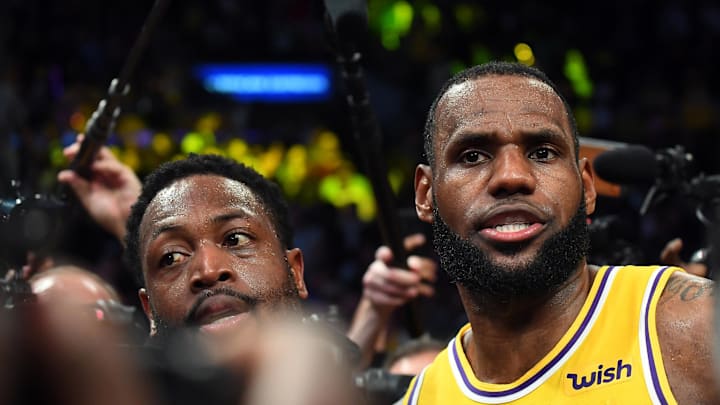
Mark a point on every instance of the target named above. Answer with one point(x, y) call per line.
point(163, 229)
point(539, 134)
point(470, 136)
point(545, 135)
point(171, 226)
point(235, 214)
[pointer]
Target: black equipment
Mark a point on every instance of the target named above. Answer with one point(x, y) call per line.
point(670, 171)
point(666, 171)
point(103, 119)
point(347, 22)
point(34, 222)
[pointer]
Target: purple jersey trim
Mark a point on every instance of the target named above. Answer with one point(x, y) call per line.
point(551, 363)
point(651, 357)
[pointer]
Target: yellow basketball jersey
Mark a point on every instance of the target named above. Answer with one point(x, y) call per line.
point(610, 354)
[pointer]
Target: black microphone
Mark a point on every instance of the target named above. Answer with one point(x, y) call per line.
point(349, 22)
point(638, 164)
point(630, 165)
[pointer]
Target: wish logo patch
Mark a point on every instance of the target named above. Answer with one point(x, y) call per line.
point(603, 375)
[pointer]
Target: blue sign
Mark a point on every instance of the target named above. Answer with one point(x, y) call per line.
point(274, 83)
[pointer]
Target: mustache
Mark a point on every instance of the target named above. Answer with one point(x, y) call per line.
point(250, 301)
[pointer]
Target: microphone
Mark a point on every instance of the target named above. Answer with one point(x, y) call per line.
point(640, 165)
point(630, 165)
point(348, 19)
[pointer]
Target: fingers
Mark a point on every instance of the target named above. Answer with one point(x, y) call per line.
point(424, 266)
point(72, 150)
point(414, 241)
point(109, 167)
point(671, 252)
point(80, 186)
point(384, 254)
point(387, 286)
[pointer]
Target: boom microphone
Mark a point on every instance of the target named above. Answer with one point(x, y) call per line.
point(637, 164)
point(630, 165)
point(349, 22)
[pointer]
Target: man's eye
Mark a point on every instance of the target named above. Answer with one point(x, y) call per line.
point(236, 239)
point(473, 156)
point(543, 154)
point(169, 259)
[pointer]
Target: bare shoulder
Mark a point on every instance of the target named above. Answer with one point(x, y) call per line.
point(684, 324)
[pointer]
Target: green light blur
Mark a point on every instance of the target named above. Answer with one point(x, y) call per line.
point(576, 72)
point(431, 17)
point(395, 20)
point(480, 54)
point(465, 16)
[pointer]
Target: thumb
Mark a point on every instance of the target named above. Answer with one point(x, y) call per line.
point(384, 254)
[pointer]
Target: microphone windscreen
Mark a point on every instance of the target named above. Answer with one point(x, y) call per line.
point(349, 18)
point(630, 165)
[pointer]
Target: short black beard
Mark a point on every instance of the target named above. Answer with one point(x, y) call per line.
point(490, 282)
point(284, 299)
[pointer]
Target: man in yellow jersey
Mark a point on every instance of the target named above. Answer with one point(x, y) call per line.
point(508, 198)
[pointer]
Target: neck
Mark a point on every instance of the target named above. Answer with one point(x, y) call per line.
point(509, 336)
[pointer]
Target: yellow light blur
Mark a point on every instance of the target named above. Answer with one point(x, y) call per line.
point(161, 144)
point(131, 157)
point(524, 54)
point(327, 140)
point(129, 123)
point(208, 123)
point(213, 150)
point(271, 159)
point(237, 148)
point(192, 142)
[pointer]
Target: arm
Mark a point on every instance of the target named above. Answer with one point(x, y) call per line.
point(111, 192)
point(385, 289)
point(685, 330)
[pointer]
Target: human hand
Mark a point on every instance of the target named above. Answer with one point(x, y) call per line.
point(109, 194)
point(671, 255)
point(388, 288)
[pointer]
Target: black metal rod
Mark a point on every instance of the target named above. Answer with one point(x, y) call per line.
point(368, 142)
point(102, 121)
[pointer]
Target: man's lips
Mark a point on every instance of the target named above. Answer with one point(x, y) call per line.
point(511, 225)
point(217, 307)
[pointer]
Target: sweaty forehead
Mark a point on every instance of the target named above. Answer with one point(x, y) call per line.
point(184, 197)
point(498, 94)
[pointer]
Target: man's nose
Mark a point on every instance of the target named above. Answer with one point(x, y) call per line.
point(211, 265)
point(512, 173)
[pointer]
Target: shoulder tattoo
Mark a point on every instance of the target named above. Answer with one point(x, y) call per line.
point(687, 288)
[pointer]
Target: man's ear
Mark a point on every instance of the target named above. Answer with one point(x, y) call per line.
point(423, 193)
point(145, 301)
point(297, 267)
point(588, 180)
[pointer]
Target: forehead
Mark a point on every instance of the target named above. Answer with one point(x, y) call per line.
point(501, 99)
point(186, 190)
point(196, 196)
